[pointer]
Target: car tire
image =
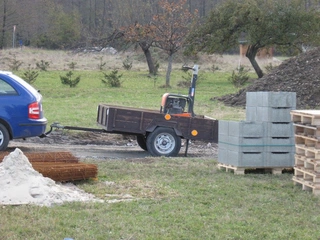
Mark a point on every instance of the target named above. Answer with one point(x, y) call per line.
point(163, 142)
point(4, 137)
point(142, 142)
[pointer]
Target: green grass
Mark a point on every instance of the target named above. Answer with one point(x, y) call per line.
point(78, 106)
point(175, 198)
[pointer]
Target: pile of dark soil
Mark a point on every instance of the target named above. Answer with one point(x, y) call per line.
point(300, 74)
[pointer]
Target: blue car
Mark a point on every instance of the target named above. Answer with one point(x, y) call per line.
point(21, 114)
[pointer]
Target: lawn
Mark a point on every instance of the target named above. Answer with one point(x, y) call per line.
point(78, 106)
point(174, 198)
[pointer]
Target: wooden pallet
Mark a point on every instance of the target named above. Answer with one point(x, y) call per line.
point(309, 117)
point(307, 174)
point(307, 130)
point(242, 170)
point(307, 141)
point(309, 152)
point(307, 185)
point(307, 163)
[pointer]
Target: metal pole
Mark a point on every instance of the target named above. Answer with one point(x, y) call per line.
point(13, 36)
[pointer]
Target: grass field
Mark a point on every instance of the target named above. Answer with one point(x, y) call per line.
point(78, 106)
point(175, 198)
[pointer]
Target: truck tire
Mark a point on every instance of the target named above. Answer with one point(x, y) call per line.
point(4, 137)
point(142, 142)
point(163, 142)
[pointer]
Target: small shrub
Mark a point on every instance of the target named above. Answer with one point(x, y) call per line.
point(154, 78)
point(239, 77)
point(112, 79)
point(68, 79)
point(42, 65)
point(187, 78)
point(101, 64)
point(127, 64)
point(30, 75)
point(14, 64)
point(214, 68)
point(269, 68)
point(72, 65)
point(156, 67)
point(165, 86)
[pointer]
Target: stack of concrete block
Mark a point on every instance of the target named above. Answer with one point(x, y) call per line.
point(266, 138)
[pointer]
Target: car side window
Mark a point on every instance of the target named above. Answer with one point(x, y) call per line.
point(6, 89)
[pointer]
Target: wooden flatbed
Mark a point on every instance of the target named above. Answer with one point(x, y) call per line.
point(156, 132)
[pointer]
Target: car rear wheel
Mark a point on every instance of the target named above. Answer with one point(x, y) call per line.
point(4, 137)
point(163, 142)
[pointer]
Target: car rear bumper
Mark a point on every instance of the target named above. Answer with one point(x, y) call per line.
point(34, 128)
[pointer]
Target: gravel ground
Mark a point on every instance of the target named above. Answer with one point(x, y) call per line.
point(94, 145)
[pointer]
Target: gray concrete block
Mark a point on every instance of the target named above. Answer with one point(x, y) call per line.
point(251, 99)
point(268, 114)
point(279, 99)
point(251, 114)
point(246, 148)
point(279, 130)
point(271, 99)
point(282, 141)
point(246, 129)
point(228, 157)
point(246, 141)
point(279, 144)
point(234, 158)
point(279, 159)
point(223, 127)
point(223, 138)
point(223, 156)
point(241, 159)
point(223, 142)
point(280, 148)
point(251, 159)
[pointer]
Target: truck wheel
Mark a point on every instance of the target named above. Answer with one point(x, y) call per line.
point(4, 137)
point(142, 142)
point(163, 142)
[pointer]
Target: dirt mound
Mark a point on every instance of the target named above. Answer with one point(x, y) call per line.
point(300, 74)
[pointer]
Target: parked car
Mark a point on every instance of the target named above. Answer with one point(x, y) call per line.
point(21, 114)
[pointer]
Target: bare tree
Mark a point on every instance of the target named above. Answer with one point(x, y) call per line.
point(142, 34)
point(169, 29)
point(8, 21)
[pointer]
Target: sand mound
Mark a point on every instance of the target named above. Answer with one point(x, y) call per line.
point(21, 184)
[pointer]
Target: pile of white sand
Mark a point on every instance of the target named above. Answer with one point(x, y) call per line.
point(20, 183)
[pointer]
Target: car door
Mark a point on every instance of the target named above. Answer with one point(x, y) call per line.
point(13, 105)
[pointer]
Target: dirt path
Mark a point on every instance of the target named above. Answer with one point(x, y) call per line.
point(101, 146)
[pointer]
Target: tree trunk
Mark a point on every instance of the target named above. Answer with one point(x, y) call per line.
point(146, 50)
point(4, 22)
point(251, 55)
point(169, 69)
